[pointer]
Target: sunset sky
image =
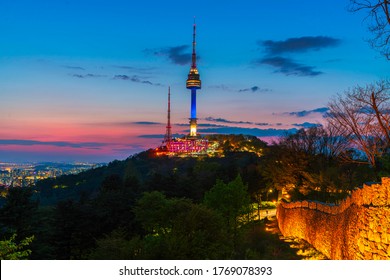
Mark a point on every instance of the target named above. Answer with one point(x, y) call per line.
point(84, 80)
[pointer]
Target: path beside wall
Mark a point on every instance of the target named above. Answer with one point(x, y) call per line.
point(358, 228)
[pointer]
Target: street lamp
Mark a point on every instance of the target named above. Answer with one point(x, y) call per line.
point(269, 191)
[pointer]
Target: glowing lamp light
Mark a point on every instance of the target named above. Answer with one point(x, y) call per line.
point(193, 130)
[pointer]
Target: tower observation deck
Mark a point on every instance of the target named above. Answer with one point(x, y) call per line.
point(193, 83)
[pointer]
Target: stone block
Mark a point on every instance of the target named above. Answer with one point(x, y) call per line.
point(386, 181)
point(370, 235)
point(347, 202)
point(366, 192)
point(379, 197)
point(368, 256)
point(358, 197)
point(361, 245)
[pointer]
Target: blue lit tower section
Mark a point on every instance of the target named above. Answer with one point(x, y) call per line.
point(193, 83)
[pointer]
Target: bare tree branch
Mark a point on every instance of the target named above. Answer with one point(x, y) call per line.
point(362, 116)
point(379, 22)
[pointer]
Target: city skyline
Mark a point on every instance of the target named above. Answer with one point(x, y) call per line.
point(88, 80)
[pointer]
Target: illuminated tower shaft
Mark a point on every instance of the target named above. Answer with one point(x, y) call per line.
point(193, 83)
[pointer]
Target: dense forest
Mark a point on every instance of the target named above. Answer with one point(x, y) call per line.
point(149, 207)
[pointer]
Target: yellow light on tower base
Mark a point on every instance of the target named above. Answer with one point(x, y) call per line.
point(193, 128)
point(193, 131)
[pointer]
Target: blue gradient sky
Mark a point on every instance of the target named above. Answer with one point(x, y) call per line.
point(88, 80)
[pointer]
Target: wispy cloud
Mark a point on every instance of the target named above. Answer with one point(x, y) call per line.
point(122, 123)
point(157, 136)
point(255, 89)
point(288, 66)
point(262, 124)
point(147, 123)
point(222, 87)
point(307, 124)
point(299, 44)
point(228, 122)
point(89, 145)
point(135, 79)
point(73, 67)
point(221, 120)
point(304, 113)
point(201, 125)
point(248, 131)
point(137, 70)
point(271, 132)
point(80, 76)
point(177, 54)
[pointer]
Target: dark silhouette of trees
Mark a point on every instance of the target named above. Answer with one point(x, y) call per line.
point(16, 216)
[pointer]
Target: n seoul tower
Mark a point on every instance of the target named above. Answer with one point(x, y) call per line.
point(193, 83)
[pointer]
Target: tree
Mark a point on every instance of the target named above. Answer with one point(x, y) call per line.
point(378, 13)
point(362, 116)
point(11, 250)
point(116, 246)
point(176, 228)
point(310, 163)
point(18, 212)
point(232, 201)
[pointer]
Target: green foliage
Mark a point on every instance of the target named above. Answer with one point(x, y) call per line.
point(153, 211)
point(116, 246)
point(232, 202)
point(10, 249)
point(77, 225)
point(176, 228)
point(264, 205)
point(238, 143)
point(18, 211)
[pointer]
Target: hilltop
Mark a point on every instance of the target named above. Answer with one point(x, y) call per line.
point(183, 176)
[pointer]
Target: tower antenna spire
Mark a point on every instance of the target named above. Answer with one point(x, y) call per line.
point(194, 46)
point(168, 133)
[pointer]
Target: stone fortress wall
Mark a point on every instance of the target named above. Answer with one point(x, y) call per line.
point(358, 228)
